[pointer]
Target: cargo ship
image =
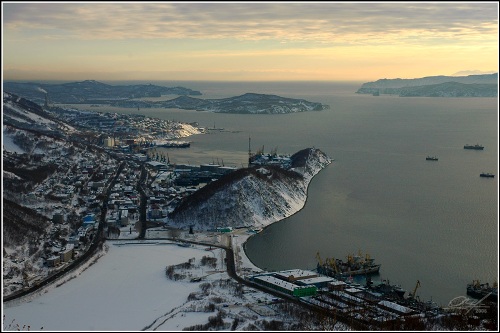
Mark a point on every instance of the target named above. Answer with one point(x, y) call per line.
point(481, 290)
point(487, 175)
point(431, 158)
point(476, 147)
point(385, 288)
point(175, 144)
point(355, 265)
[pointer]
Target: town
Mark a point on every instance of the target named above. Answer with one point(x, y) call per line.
point(113, 174)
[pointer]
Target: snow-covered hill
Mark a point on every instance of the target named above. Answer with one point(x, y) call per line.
point(24, 114)
point(252, 197)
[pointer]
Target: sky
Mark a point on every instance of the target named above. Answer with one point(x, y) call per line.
point(247, 41)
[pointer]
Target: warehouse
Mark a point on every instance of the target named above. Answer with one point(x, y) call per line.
point(284, 286)
point(319, 281)
point(295, 274)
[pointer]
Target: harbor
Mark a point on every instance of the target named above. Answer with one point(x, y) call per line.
point(373, 306)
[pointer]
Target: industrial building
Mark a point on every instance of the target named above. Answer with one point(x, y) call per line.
point(305, 278)
point(285, 287)
point(67, 254)
point(53, 261)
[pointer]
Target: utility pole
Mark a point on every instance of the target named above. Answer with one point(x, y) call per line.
point(249, 152)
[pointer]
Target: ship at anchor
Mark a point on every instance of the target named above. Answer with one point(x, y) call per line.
point(475, 147)
point(355, 265)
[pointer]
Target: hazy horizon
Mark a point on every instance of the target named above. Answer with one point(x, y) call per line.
point(235, 41)
point(224, 81)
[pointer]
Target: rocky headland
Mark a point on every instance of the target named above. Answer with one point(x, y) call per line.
point(252, 197)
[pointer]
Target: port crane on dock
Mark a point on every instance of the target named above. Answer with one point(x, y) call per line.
point(413, 294)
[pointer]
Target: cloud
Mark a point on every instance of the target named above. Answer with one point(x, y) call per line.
point(323, 22)
point(263, 38)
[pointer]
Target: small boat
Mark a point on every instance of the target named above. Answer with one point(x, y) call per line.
point(486, 175)
point(431, 158)
point(475, 147)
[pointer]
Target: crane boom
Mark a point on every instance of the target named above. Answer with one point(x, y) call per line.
point(319, 259)
point(415, 290)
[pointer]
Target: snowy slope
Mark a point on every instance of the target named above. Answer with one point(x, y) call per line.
point(253, 197)
point(24, 114)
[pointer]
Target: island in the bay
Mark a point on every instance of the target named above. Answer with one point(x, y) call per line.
point(485, 85)
point(249, 103)
point(136, 96)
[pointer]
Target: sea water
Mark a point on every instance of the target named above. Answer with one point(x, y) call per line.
point(432, 221)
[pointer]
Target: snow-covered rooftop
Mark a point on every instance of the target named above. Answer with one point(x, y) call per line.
point(395, 306)
point(296, 273)
point(315, 280)
point(277, 282)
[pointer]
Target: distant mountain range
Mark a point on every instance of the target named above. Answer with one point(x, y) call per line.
point(90, 91)
point(472, 72)
point(248, 103)
point(436, 86)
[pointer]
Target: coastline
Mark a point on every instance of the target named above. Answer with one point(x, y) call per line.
point(307, 181)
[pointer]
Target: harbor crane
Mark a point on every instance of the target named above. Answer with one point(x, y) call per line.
point(413, 295)
point(319, 259)
point(332, 263)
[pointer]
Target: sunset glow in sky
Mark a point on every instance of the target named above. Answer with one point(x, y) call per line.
point(325, 41)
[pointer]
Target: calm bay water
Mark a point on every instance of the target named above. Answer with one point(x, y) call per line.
point(436, 222)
